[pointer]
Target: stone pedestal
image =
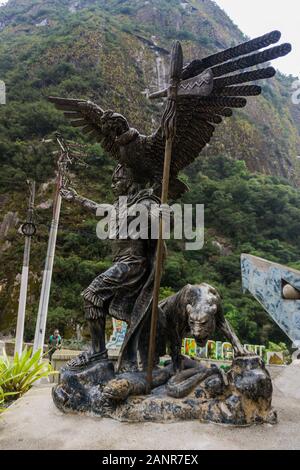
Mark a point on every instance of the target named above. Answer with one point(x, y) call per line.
point(241, 397)
point(80, 390)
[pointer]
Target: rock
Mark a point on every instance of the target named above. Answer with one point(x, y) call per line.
point(223, 248)
point(42, 23)
point(251, 378)
point(240, 397)
point(5, 246)
point(81, 390)
point(10, 221)
point(45, 186)
point(214, 386)
point(45, 205)
point(74, 6)
point(3, 284)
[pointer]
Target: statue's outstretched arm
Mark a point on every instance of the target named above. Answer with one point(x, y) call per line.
point(72, 196)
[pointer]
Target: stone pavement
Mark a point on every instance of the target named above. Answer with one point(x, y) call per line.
point(33, 422)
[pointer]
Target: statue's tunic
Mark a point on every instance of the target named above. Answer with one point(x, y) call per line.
point(115, 291)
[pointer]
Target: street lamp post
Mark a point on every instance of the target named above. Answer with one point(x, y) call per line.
point(28, 230)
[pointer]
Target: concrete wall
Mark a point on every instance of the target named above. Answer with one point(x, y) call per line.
point(9, 347)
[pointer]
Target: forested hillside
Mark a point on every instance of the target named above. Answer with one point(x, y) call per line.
point(115, 52)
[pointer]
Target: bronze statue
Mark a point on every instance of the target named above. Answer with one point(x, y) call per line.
point(124, 291)
point(200, 95)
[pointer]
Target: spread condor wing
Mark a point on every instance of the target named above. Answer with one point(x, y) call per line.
point(234, 72)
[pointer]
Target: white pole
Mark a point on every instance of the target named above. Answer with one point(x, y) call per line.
point(22, 299)
point(40, 329)
point(24, 279)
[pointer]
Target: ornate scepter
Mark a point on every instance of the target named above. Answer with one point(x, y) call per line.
point(201, 85)
point(169, 131)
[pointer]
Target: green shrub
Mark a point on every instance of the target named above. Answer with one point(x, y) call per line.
point(17, 375)
point(3, 395)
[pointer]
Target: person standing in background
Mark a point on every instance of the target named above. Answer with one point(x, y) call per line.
point(55, 342)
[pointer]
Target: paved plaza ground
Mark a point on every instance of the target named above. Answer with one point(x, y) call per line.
point(33, 422)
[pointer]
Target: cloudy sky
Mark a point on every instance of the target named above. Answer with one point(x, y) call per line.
point(256, 17)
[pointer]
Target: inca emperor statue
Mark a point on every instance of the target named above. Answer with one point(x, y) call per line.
point(200, 96)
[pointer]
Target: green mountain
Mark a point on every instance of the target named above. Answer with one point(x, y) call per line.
point(115, 52)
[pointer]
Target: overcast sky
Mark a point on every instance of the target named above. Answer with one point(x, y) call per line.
point(256, 17)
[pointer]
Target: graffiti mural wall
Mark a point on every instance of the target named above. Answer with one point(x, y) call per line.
point(215, 350)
